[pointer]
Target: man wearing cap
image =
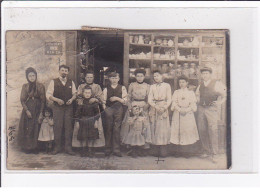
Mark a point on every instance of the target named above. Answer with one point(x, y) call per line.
point(210, 95)
point(62, 92)
point(115, 96)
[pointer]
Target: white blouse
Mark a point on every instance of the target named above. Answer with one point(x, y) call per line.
point(158, 92)
point(184, 98)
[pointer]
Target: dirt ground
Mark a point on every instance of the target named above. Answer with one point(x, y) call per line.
point(18, 160)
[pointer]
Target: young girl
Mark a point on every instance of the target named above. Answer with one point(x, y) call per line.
point(87, 115)
point(46, 132)
point(97, 96)
point(184, 128)
point(136, 136)
point(159, 99)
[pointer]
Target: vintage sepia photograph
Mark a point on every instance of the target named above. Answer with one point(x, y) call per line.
point(118, 99)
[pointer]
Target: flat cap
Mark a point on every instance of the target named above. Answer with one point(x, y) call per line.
point(209, 69)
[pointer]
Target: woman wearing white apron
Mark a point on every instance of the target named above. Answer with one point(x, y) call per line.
point(159, 99)
point(184, 129)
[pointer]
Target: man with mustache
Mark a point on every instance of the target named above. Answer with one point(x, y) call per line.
point(62, 92)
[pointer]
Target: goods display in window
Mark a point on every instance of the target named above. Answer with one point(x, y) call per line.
point(176, 54)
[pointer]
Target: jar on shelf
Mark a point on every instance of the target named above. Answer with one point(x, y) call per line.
point(185, 42)
point(195, 41)
point(164, 42)
point(158, 41)
point(131, 39)
point(156, 55)
point(136, 38)
point(147, 39)
point(141, 39)
point(170, 42)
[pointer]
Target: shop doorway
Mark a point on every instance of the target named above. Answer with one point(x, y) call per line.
point(106, 53)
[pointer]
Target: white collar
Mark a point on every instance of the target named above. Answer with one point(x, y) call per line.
point(63, 79)
point(207, 82)
point(114, 86)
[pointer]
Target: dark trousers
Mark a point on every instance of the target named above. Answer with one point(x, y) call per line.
point(114, 116)
point(62, 117)
point(208, 128)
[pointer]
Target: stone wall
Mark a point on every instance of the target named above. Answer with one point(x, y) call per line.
point(27, 49)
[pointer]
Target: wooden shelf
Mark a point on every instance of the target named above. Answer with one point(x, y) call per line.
point(136, 44)
point(141, 59)
point(189, 60)
point(208, 61)
point(164, 59)
point(220, 46)
point(163, 46)
point(178, 38)
point(187, 47)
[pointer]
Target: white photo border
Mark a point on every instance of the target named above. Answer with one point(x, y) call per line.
point(240, 18)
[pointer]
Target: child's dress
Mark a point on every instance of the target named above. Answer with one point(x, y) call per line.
point(46, 131)
point(97, 93)
point(160, 96)
point(137, 96)
point(136, 135)
point(88, 115)
point(184, 128)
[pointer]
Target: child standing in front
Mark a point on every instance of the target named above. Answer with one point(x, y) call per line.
point(46, 132)
point(159, 99)
point(137, 133)
point(87, 115)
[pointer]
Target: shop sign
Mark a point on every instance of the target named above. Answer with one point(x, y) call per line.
point(53, 48)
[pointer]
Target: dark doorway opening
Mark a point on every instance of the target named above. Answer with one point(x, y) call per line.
point(108, 53)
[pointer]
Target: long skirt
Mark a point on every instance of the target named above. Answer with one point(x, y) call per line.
point(91, 143)
point(29, 128)
point(184, 129)
point(160, 127)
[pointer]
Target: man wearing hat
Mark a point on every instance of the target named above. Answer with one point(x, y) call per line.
point(210, 95)
point(115, 96)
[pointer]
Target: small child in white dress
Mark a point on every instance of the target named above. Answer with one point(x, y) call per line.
point(136, 137)
point(46, 132)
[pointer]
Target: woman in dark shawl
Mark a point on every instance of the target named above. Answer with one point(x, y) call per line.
point(33, 102)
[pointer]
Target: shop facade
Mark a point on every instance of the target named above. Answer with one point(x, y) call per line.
point(173, 52)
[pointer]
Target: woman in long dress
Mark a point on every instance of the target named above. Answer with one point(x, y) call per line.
point(33, 101)
point(97, 98)
point(138, 96)
point(159, 99)
point(184, 129)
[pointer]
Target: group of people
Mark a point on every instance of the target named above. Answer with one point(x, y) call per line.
point(99, 119)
